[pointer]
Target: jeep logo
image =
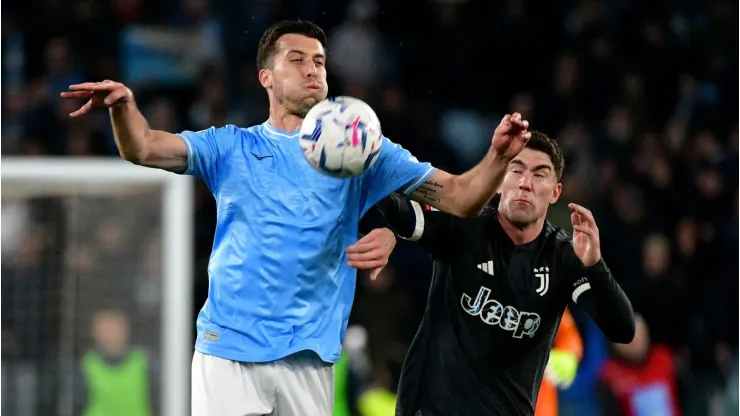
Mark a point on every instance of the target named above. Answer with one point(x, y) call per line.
point(492, 312)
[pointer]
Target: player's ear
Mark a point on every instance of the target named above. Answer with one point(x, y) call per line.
point(265, 76)
point(556, 193)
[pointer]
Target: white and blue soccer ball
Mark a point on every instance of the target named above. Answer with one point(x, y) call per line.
point(341, 137)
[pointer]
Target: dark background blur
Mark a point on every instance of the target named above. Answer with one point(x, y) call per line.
point(642, 97)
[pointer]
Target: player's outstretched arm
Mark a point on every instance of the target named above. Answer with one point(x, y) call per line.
point(466, 195)
point(135, 140)
point(594, 289)
point(411, 221)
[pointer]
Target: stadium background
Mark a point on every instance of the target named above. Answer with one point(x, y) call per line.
point(642, 97)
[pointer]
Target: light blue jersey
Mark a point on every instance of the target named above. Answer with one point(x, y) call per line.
point(279, 279)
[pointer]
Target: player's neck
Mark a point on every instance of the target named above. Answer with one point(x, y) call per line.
point(521, 236)
point(281, 119)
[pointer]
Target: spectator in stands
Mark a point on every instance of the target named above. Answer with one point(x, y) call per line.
point(562, 367)
point(641, 378)
point(115, 378)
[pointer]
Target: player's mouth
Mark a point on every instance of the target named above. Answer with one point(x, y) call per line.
point(313, 87)
point(522, 201)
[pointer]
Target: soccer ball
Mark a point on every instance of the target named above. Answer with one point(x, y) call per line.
point(341, 137)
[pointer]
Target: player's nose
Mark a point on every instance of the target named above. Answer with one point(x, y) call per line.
point(311, 70)
point(525, 182)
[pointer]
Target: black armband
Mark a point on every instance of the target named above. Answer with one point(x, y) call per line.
point(394, 212)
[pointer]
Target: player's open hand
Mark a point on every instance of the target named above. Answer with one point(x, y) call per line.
point(511, 135)
point(104, 94)
point(585, 235)
point(372, 251)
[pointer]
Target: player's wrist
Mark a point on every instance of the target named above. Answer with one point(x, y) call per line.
point(597, 267)
point(497, 158)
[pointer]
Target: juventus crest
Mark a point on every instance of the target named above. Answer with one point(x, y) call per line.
point(543, 274)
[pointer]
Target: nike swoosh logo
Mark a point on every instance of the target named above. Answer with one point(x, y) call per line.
point(259, 157)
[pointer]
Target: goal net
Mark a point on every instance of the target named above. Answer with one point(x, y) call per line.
point(96, 265)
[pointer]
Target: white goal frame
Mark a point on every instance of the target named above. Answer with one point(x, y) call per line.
point(95, 176)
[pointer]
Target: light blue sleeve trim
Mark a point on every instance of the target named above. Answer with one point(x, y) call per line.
point(190, 152)
point(414, 186)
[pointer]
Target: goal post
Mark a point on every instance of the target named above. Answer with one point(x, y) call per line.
point(115, 179)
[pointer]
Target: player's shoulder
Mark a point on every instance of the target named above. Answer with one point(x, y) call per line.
point(216, 133)
point(242, 135)
point(561, 240)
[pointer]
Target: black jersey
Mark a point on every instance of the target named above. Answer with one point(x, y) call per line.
point(493, 311)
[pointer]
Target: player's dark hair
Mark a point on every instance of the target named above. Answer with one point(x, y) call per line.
point(543, 143)
point(268, 42)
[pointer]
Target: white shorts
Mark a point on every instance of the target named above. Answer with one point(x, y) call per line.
point(298, 385)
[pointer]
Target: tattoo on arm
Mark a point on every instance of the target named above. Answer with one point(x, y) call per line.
point(429, 191)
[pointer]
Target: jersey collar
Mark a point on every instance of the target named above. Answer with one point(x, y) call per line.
point(274, 131)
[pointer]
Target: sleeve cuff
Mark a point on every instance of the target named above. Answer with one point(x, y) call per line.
point(190, 152)
point(415, 185)
point(418, 222)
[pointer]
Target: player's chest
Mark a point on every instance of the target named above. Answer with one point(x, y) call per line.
point(515, 291)
point(529, 277)
point(277, 171)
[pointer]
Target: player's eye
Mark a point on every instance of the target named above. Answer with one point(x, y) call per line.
point(517, 171)
point(296, 60)
point(319, 63)
point(539, 175)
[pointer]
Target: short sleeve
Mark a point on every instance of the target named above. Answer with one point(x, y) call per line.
point(395, 170)
point(207, 149)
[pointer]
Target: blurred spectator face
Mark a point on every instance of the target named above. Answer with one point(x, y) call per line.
point(57, 56)
point(628, 205)
point(529, 187)
point(707, 148)
point(633, 86)
point(31, 247)
point(675, 135)
point(161, 115)
point(566, 79)
point(620, 124)
point(523, 103)
point(608, 172)
point(110, 330)
point(393, 99)
point(601, 48)
point(575, 189)
point(362, 11)
point(709, 183)
point(653, 34)
point(686, 237)
point(636, 350)
point(297, 78)
point(196, 7)
point(655, 255)
point(127, 10)
point(214, 91)
point(79, 143)
point(111, 235)
point(659, 172)
point(80, 259)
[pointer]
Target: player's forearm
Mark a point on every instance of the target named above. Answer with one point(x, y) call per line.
point(131, 131)
point(141, 145)
point(393, 212)
point(474, 189)
point(607, 304)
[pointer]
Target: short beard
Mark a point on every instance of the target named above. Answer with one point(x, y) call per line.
point(299, 108)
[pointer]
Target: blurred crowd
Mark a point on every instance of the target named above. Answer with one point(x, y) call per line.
point(641, 96)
